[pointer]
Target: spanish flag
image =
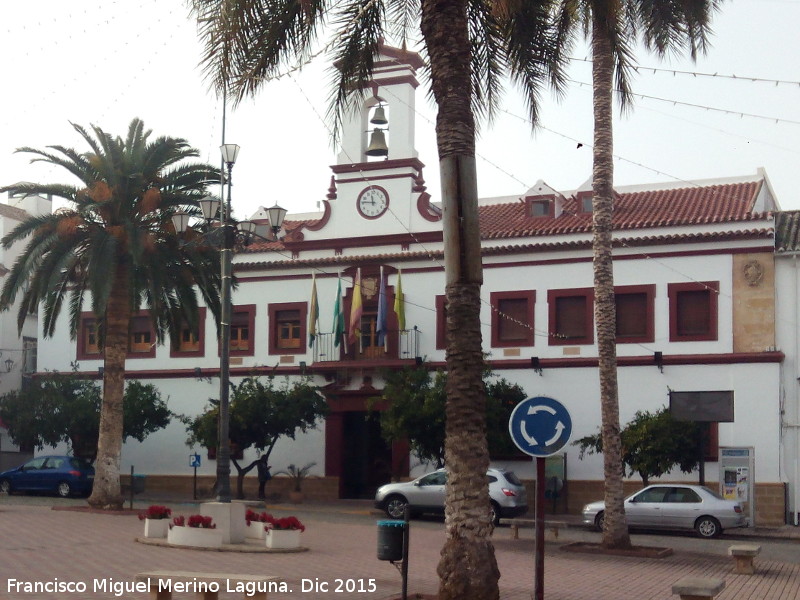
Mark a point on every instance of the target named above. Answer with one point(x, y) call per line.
point(356, 309)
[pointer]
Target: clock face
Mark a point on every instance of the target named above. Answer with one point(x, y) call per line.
point(372, 202)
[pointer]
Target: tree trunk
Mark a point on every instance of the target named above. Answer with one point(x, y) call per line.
point(241, 472)
point(468, 568)
point(615, 530)
point(106, 492)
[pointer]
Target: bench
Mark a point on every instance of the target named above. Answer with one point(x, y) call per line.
point(743, 555)
point(698, 588)
point(207, 586)
point(515, 524)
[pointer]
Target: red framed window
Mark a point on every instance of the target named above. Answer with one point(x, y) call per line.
point(512, 318)
point(191, 343)
point(541, 206)
point(585, 202)
point(693, 311)
point(88, 338)
point(635, 313)
point(243, 320)
point(288, 324)
point(141, 338)
point(441, 322)
point(571, 316)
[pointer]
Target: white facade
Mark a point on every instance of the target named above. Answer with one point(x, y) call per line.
point(706, 237)
point(17, 348)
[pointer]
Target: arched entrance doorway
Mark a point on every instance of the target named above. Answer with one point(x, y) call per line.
point(355, 451)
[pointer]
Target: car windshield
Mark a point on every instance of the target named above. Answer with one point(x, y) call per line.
point(512, 478)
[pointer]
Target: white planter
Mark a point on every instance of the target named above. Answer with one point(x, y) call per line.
point(156, 528)
point(196, 537)
point(283, 538)
point(255, 531)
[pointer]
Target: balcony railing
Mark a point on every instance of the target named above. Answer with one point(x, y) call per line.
point(403, 344)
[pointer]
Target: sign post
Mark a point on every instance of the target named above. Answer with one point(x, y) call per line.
point(194, 461)
point(540, 427)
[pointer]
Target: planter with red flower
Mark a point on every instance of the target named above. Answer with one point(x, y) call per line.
point(284, 533)
point(197, 531)
point(156, 521)
point(255, 524)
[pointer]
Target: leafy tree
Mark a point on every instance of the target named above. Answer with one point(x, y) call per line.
point(469, 48)
point(116, 245)
point(614, 27)
point(415, 412)
point(416, 409)
point(502, 397)
point(652, 444)
point(260, 414)
point(58, 408)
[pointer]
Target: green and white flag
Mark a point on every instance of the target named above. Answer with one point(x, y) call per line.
point(338, 316)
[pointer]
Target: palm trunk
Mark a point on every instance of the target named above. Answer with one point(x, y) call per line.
point(468, 568)
point(106, 493)
point(615, 530)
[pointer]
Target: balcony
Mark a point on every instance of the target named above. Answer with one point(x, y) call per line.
point(400, 345)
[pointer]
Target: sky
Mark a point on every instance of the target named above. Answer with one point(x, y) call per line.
point(106, 62)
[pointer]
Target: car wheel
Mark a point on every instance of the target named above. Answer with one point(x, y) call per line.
point(395, 506)
point(63, 489)
point(599, 520)
point(707, 527)
point(5, 486)
point(494, 513)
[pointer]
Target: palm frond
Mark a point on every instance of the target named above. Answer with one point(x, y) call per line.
point(354, 51)
point(487, 58)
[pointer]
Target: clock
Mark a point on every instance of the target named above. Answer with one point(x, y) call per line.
point(372, 202)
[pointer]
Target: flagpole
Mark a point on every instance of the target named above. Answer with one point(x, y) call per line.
point(340, 316)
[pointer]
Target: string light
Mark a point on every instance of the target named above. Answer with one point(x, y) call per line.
point(695, 74)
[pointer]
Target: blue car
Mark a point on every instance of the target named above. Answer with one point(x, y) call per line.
point(62, 475)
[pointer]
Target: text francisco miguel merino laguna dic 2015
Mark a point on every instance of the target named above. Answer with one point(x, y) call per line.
point(120, 587)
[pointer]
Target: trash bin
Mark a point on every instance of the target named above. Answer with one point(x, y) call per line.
point(390, 540)
point(138, 484)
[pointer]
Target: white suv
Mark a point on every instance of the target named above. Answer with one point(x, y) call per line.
point(426, 495)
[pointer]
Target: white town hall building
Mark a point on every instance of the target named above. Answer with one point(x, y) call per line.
point(695, 270)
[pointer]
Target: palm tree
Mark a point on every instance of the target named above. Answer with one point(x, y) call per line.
point(468, 49)
point(118, 245)
point(615, 26)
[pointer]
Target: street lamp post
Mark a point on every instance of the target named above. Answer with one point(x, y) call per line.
point(229, 154)
point(231, 229)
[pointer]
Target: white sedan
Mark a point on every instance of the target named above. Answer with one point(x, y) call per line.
point(689, 507)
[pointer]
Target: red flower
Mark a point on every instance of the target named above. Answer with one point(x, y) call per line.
point(288, 523)
point(253, 517)
point(201, 522)
point(155, 511)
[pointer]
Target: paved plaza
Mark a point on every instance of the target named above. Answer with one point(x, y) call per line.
point(39, 544)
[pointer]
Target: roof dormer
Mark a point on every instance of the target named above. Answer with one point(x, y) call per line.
point(543, 201)
point(584, 196)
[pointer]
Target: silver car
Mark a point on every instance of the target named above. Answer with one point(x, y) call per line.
point(426, 495)
point(689, 507)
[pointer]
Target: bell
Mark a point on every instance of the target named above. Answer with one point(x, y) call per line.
point(379, 117)
point(377, 144)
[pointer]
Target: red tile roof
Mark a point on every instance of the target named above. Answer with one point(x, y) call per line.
point(636, 210)
point(632, 210)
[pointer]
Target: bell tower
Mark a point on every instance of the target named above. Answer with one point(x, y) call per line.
point(388, 111)
point(377, 193)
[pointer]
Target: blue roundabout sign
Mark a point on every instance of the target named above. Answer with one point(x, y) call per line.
point(540, 426)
